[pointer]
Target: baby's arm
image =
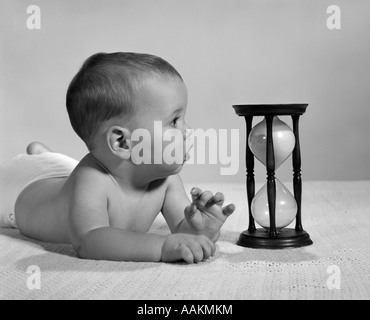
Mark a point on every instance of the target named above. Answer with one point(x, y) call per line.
point(93, 238)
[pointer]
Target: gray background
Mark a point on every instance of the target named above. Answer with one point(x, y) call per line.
point(228, 52)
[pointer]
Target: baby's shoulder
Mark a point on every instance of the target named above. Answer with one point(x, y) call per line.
point(174, 182)
point(89, 176)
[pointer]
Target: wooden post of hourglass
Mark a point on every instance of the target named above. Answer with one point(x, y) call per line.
point(271, 184)
point(297, 181)
point(249, 160)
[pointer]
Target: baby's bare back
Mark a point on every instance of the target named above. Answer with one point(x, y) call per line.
point(43, 208)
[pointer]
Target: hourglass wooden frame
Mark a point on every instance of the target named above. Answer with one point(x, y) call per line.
point(272, 238)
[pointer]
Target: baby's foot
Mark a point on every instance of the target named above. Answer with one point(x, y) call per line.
point(37, 148)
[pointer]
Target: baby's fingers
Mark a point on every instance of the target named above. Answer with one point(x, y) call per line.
point(190, 211)
point(218, 198)
point(209, 248)
point(205, 199)
point(186, 254)
point(195, 193)
point(228, 210)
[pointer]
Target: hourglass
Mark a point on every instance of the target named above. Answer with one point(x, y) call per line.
point(273, 207)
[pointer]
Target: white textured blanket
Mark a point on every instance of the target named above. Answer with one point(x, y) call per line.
point(336, 266)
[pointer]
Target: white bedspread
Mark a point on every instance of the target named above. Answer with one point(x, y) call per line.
point(335, 214)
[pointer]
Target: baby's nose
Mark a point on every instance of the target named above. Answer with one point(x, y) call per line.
point(189, 139)
point(187, 131)
point(187, 126)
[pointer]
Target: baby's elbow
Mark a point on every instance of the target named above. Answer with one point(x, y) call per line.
point(79, 246)
point(85, 246)
point(79, 249)
point(83, 251)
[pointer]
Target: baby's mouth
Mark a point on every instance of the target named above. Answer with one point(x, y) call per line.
point(187, 150)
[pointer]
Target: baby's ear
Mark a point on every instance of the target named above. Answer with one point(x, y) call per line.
point(119, 141)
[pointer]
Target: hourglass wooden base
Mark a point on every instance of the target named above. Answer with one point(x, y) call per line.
point(271, 236)
point(286, 238)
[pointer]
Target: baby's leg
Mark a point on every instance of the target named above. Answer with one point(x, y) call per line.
point(37, 148)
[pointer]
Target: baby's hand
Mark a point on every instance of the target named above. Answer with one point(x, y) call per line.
point(187, 247)
point(205, 215)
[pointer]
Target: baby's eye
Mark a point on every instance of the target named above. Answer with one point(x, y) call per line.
point(174, 121)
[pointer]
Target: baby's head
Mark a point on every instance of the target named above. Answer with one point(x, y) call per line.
point(114, 94)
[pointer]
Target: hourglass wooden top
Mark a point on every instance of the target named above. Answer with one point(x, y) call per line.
point(270, 109)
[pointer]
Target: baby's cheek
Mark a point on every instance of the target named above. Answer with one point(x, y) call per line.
point(173, 137)
point(173, 146)
point(156, 148)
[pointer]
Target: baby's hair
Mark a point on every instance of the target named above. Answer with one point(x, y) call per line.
point(105, 88)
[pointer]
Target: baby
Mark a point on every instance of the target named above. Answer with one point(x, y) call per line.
point(105, 205)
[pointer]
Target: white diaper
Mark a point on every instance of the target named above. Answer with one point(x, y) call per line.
point(19, 172)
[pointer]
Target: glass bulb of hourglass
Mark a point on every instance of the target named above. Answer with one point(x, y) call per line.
point(283, 139)
point(285, 209)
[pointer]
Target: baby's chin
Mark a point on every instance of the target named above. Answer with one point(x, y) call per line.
point(174, 168)
point(163, 170)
